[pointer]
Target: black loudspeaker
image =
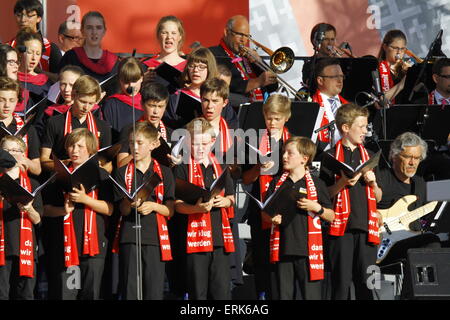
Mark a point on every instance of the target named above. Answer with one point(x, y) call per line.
point(427, 274)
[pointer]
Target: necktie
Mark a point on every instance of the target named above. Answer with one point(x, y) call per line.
point(333, 104)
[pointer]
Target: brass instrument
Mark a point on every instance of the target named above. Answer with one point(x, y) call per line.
point(281, 60)
point(412, 55)
point(340, 51)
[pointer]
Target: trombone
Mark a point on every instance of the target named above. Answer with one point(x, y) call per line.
point(281, 60)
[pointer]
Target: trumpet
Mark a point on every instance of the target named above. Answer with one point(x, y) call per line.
point(412, 55)
point(344, 49)
point(281, 60)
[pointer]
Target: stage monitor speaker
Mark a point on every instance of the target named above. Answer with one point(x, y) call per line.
point(427, 274)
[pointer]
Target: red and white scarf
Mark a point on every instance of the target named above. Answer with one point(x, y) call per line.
point(387, 82)
point(224, 134)
point(19, 125)
point(264, 180)
point(163, 233)
point(102, 66)
point(162, 127)
point(315, 248)
point(90, 235)
point(324, 135)
point(26, 246)
point(199, 230)
point(90, 122)
point(245, 70)
point(342, 203)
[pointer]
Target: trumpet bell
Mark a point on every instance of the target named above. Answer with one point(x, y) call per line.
point(282, 60)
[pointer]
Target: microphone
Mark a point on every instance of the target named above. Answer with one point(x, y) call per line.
point(376, 82)
point(319, 36)
point(325, 126)
point(130, 90)
point(21, 48)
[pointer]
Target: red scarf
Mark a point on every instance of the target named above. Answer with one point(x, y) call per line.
point(162, 127)
point(387, 82)
point(190, 93)
point(199, 231)
point(103, 66)
point(225, 137)
point(342, 203)
point(315, 248)
point(19, 125)
point(44, 62)
point(324, 135)
point(264, 180)
point(26, 247)
point(38, 80)
point(90, 236)
point(90, 121)
point(62, 108)
point(21, 106)
point(153, 63)
point(163, 233)
point(245, 70)
point(129, 100)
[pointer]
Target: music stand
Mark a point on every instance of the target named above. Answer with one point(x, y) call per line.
point(301, 123)
point(411, 77)
point(399, 119)
point(439, 191)
point(358, 75)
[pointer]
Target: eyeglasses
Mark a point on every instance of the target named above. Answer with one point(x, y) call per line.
point(27, 16)
point(408, 157)
point(243, 35)
point(13, 150)
point(336, 77)
point(200, 67)
point(397, 48)
point(73, 38)
point(445, 76)
point(12, 62)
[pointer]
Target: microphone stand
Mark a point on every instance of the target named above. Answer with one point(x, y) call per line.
point(331, 128)
point(137, 226)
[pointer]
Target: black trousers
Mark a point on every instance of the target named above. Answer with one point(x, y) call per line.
point(90, 273)
point(264, 271)
point(153, 270)
point(293, 270)
point(350, 257)
point(208, 275)
point(13, 286)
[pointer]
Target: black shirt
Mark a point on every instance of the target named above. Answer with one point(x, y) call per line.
point(182, 172)
point(294, 223)
point(149, 224)
point(33, 143)
point(358, 217)
point(105, 193)
point(394, 189)
point(125, 134)
point(11, 219)
point(54, 135)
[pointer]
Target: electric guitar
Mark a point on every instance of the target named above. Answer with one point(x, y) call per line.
point(396, 222)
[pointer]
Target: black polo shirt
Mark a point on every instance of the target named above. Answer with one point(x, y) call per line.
point(33, 139)
point(105, 193)
point(149, 224)
point(358, 217)
point(394, 189)
point(54, 135)
point(253, 211)
point(182, 172)
point(11, 219)
point(294, 223)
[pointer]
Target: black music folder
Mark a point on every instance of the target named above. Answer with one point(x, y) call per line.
point(169, 74)
point(107, 154)
point(190, 193)
point(144, 190)
point(86, 174)
point(160, 153)
point(7, 161)
point(188, 107)
point(19, 133)
point(335, 166)
point(13, 192)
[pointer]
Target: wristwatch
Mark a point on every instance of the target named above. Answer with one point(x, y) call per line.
point(321, 211)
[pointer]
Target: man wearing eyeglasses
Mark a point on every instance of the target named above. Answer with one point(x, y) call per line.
point(69, 38)
point(329, 82)
point(247, 78)
point(441, 77)
point(28, 14)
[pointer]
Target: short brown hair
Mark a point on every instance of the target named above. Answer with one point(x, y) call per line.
point(200, 125)
point(8, 84)
point(278, 103)
point(130, 70)
point(71, 68)
point(87, 86)
point(200, 55)
point(219, 86)
point(79, 133)
point(148, 131)
point(347, 113)
point(305, 146)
